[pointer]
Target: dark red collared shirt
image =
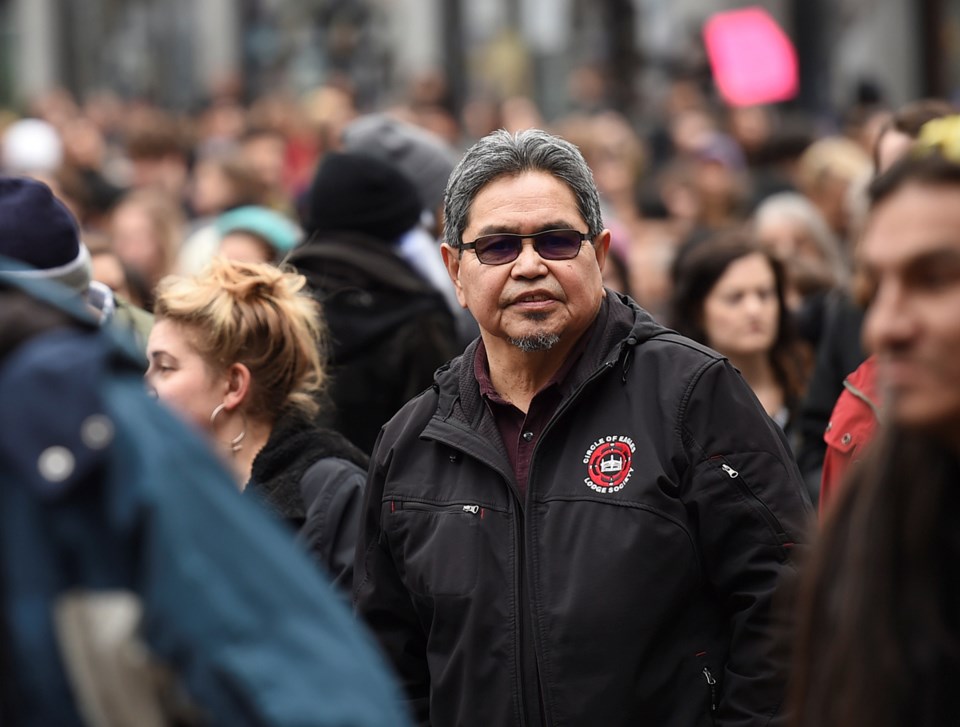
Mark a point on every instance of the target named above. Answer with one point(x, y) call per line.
point(520, 432)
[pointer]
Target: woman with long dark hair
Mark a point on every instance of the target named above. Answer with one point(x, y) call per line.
point(729, 293)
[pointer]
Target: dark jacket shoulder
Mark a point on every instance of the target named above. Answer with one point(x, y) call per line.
point(312, 478)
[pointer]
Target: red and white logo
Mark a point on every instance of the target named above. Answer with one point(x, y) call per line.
point(609, 462)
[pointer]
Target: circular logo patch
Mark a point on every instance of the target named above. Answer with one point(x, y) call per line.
point(609, 463)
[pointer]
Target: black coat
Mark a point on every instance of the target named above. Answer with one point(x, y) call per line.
point(632, 586)
point(389, 330)
point(839, 353)
point(313, 479)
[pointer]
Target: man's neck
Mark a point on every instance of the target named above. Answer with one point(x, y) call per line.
point(518, 375)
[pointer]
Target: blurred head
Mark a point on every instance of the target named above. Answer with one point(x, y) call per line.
point(425, 158)
point(265, 150)
point(359, 193)
point(146, 230)
point(729, 294)
point(242, 335)
point(504, 190)
point(826, 172)
point(256, 234)
point(909, 257)
point(792, 228)
point(156, 146)
point(902, 128)
point(107, 268)
point(223, 182)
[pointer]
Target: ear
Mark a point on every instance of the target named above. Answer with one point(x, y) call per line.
point(238, 386)
point(600, 247)
point(451, 259)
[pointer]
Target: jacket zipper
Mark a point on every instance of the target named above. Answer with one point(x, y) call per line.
point(527, 702)
point(427, 507)
point(712, 684)
point(539, 700)
point(709, 678)
point(759, 505)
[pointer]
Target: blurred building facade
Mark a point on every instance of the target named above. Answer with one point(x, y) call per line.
point(178, 52)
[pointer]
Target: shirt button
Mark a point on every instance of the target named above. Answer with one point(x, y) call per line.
point(527, 436)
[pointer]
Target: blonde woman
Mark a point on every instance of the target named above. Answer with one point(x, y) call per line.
point(237, 351)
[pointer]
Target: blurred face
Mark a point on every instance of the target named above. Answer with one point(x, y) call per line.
point(180, 377)
point(530, 299)
point(212, 189)
point(740, 314)
point(267, 155)
point(787, 238)
point(910, 253)
point(245, 247)
point(891, 146)
point(106, 269)
point(136, 241)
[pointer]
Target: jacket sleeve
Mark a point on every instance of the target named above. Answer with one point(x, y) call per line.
point(745, 492)
point(333, 494)
point(382, 600)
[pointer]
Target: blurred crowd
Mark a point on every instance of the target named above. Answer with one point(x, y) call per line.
point(278, 266)
point(157, 192)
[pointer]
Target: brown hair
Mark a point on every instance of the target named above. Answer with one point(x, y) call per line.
point(910, 118)
point(257, 315)
point(877, 639)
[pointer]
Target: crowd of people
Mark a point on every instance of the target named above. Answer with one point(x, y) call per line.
point(552, 404)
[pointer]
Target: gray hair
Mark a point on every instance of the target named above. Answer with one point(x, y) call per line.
point(503, 154)
point(797, 208)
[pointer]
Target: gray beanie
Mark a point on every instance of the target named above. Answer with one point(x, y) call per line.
point(425, 158)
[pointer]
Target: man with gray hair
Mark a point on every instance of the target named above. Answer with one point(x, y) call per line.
point(586, 518)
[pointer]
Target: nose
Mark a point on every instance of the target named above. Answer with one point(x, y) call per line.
point(528, 264)
point(753, 304)
point(889, 323)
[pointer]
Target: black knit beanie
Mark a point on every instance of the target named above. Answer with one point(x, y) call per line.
point(358, 193)
point(37, 229)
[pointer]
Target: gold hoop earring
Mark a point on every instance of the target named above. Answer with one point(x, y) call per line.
point(235, 443)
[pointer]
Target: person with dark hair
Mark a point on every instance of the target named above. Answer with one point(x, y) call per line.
point(427, 161)
point(902, 128)
point(879, 630)
point(857, 404)
point(729, 294)
point(587, 517)
point(390, 328)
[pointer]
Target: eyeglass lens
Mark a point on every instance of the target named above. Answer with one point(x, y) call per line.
point(549, 244)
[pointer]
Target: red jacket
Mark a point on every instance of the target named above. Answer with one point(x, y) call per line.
point(851, 428)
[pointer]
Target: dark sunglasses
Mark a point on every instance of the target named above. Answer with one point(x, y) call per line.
point(505, 247)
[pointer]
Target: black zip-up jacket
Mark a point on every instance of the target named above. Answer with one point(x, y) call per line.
point(633, 586)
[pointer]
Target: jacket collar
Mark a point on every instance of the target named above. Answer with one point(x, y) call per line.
point(620, 326)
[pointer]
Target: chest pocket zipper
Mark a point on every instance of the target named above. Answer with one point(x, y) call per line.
point(428, 507)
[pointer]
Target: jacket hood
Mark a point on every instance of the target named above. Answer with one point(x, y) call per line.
point(366, 290)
